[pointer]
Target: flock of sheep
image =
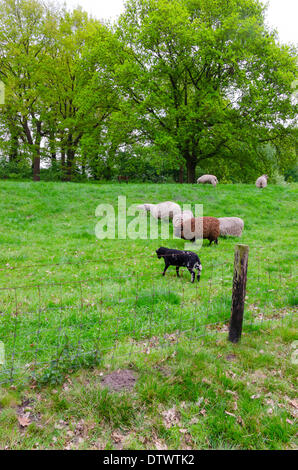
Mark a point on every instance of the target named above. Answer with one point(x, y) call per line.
point(187, 227)
point(190, 228)
point(211, 179)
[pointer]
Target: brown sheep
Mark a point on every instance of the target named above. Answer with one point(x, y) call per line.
point(191, 229)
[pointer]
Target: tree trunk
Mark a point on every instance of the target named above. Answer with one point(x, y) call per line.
point(36, 168)
point(191, 170)
point(13, 148)
point(14, 142)
point(181, 174)
point(53, 148)
point(62, 151)
point(36, 158)
point(69, 164)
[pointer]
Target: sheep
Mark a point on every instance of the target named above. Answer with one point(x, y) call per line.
point(192, 229)
point(232, 226)
point(163, 210)
point(180, 258)
point(178, 218)
point(167, 209)
point(146, 207)
point(208, 179)
point(262, 181)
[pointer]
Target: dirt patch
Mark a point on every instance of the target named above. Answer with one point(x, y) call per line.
point(120, 380)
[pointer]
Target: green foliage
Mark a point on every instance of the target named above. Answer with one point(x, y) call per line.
point(67, 361)
point(292, 175)
point(199, 85)
point(15, 169)
point(190, 86)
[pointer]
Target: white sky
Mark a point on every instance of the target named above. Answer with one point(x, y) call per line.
point(282, 14)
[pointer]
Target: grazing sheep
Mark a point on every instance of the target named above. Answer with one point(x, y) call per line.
point(163, 210)
point(178, 218)
point(262, 181)
point(167, 209)
point(146, 207)
point(191, 229)
point(179, 259)
point(232, 226)
point(208, 179)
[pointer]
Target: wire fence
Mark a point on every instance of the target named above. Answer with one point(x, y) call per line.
point(105, 318)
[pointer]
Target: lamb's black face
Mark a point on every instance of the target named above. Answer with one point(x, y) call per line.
point(161, 252)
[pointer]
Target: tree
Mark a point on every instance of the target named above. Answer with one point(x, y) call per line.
point(67, 120)
point(202, 79)
point(47, 109)
point(23, 46)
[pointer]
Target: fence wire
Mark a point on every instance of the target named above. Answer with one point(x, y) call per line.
point(111, 317)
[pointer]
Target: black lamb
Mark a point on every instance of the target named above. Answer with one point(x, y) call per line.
point(179, 259)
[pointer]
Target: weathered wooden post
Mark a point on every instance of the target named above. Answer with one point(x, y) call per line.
point(239, 290)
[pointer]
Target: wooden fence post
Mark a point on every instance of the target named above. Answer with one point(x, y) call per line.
point(239, 290)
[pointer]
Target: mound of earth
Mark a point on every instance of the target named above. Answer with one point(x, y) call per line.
point(120, 380)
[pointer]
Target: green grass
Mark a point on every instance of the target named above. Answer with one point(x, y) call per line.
point(109, 296)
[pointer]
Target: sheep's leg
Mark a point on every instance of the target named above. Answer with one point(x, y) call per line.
point(198, 275)
point(166, 267)
point(192, 274)
point(210, 242)
point(216, 241)
point(177, 271)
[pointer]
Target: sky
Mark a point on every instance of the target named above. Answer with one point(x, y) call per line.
point(282, 14)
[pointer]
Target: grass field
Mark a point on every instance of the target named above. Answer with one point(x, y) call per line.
point(199, 391)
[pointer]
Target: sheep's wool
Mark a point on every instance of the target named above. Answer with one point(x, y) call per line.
point(262, 181)
point(163, 210)
point(201, 227)
point(208, 179)
point(232, 226)
point(179, 218)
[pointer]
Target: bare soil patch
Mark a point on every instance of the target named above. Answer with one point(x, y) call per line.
point(120, 380)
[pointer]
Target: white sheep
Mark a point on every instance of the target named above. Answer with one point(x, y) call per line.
point(167, 210)
point(180, 217)
point(146, 207)
point(163, 210)
point(262, 181)
point(232, 226)
point(208, 179)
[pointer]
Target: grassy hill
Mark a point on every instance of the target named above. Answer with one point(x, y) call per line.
point(55, 223)
point(67, 279)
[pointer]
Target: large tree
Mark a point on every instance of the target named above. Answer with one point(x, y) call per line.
point(46, 111)
point(23, 46)
point(66, 81)
point(202, 79)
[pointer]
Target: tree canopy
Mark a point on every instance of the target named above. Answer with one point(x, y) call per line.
point(196, 84)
